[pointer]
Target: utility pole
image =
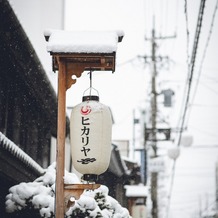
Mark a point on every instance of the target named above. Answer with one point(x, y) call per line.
point(154, 175)
point(217, 189)
point(151, 134)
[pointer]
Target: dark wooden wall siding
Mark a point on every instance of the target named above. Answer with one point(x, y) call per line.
point(22, 118)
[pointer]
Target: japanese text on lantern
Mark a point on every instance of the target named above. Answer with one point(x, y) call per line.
point(85, 134)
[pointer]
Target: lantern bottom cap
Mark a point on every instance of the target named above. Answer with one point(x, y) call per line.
point(90, 177)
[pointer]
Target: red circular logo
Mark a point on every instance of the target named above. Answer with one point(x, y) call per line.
point(85, 110)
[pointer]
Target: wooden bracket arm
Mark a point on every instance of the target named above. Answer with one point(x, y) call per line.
point(73, 192)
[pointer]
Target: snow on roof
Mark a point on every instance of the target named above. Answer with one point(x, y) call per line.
point(19, 153)
point(60, 41)
point(128, 159)
point(136, 190)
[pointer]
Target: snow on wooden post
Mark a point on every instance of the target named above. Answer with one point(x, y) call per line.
point(137, 195)
point(72, 54)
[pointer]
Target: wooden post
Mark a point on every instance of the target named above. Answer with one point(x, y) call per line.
point(61, 132)
point(70, 64)
point(67, 66)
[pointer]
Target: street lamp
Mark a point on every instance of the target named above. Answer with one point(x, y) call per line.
point(72, 54)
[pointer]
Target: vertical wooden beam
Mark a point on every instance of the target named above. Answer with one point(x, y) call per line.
point(60, 150)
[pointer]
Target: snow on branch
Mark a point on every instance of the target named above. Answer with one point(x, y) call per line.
point(38, 197)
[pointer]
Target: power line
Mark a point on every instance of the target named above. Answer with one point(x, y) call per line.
point(204, 55)
point(209, 88)
point(177, 14)
point(196, 39)
point(192, 65)
point(191, 68)
point(190, 76)
point(205, 105)
point(207, 207)
point(161, 17)
point(187, 32)
point(212, 79)
point(205, 132)
point(166, 14)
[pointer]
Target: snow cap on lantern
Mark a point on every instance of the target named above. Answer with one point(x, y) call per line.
point(90, 133)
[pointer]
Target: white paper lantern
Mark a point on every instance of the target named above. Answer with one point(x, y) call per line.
point(90, 133)
point(173, 153)
point(186, 140)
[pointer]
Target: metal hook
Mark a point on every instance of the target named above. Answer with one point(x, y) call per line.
point(90, 85)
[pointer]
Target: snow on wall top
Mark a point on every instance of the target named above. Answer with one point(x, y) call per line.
point(60, 41)
point(136, 190)
point(7, 144)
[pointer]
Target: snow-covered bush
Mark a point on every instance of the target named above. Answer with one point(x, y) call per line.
point(38, 197)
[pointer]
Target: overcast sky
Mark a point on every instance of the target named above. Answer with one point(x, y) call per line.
point(128, 88)
point(131, 79)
